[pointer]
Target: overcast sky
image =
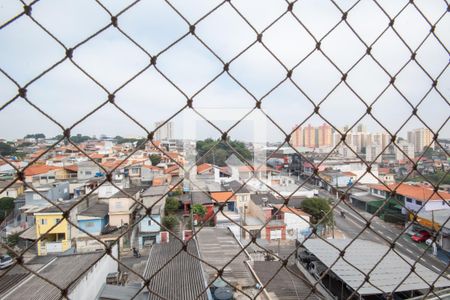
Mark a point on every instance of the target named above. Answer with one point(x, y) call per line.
point(67, 94)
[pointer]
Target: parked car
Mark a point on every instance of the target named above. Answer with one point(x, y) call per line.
point(421, 236)
point(5, 261)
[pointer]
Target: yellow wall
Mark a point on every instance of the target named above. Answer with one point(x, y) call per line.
point(62, 227)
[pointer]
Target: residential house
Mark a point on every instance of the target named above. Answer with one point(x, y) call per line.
point(296, 220)
point(122, 207)
point(40, 174)
point(414, 197)
point(82, 274)
point(88, 169)
point(155, 198)
point(14, 190)
point(56, 239)
point(241, 192)
point(93, 219)
point(148, 172)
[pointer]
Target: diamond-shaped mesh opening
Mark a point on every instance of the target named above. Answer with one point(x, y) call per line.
point(310, 160)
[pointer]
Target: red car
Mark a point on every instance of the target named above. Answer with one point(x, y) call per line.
point(421, 236)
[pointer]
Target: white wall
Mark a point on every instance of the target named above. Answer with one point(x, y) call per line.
point(296, 224)
point(91, 282)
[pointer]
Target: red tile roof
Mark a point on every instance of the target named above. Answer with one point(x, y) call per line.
point(39, 169)
point(413, 191)
point(222, 196)
point(203, 168)
point(73, 168)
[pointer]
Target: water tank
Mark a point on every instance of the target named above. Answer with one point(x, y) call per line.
point(223, 293)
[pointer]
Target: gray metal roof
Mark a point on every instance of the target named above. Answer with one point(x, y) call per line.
point(218, 246)
point(156, 201)
point(99, 210)
point(284, 285)
point(132, 191)
point(155, 191)
point(181, 275)
point(62, 271)
point(271, 199)
point(364, 255)
point(119, 292)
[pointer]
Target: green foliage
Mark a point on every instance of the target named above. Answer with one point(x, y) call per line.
point(176, 192)
point(6, 206)
point(317, 208)
point(170, 222)
point(155, 159)
point(77, 139)
point(221, 152)
point(12, 239)
point(6, 149)
point(172, 205)
point(433, 178)
point(198, 209)
point(35, 136)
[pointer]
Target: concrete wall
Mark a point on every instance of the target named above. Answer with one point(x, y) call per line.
point(295, 225)
point(92, 281)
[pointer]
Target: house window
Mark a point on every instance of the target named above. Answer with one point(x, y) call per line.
point(36, 196)
point(43, 222)
point(409, 200)
point(419, 202)
point(88, 173)
point(149, 222)
point(57, 220)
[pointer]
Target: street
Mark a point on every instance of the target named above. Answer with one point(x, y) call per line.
point(379, 231)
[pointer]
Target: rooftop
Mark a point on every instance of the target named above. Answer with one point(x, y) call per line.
point(99, 210)
point(181, 274)
point(62, 272)
point(131, 191)
point(391, 272)
point(286, 285)
point(218, 246)
point(414, 191)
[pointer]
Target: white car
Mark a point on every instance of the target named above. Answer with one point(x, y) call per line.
point(5, 261)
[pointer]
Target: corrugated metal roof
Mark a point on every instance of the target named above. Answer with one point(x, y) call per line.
point(364, 255)
point(61, 272)
point(284, 284)
point(180, 277)
point(218, 247)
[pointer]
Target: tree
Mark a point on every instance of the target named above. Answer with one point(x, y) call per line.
point(6, 206)
point(172, 205)
point(318, 208)
point(220, 153)
point(155, 159)
point(170, 222)
point(198, 209)
point(77, 139)
point(35, 136)
point(6, 149)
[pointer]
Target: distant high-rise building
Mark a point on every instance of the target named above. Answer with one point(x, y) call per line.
point(407, 150)
point(420, 138)
point(297, 137)
point(361, 128)
point(165, 132)
point(325, 135)
point(380, 139)
point(309, 134)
